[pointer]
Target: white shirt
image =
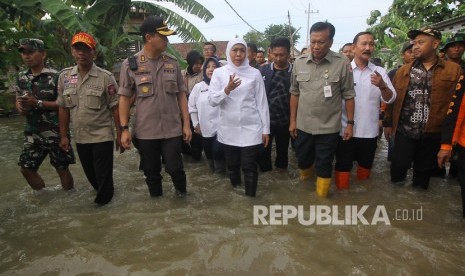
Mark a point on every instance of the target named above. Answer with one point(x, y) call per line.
point(202, 112)
point(244, 114)
point(367, 101)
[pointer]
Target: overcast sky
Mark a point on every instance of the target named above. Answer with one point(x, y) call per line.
point(349, 17)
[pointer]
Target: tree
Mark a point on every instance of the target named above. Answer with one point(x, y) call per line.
point(390, 30)
point(55, 21)
point(271, 32)
point(258, 38)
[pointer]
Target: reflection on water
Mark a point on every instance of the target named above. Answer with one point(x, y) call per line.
point(211, 231)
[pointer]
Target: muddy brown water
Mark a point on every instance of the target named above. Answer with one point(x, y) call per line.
point(212, 231)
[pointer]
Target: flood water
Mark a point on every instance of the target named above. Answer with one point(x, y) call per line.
point(212, 231)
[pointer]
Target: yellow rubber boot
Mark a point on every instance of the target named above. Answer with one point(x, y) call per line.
point(306, 174)
point(322, 186)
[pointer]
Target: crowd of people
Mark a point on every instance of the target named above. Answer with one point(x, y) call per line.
point(327, 105)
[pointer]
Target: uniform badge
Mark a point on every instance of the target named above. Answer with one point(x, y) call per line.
point(111, 89)
point(169, 66)
point(142, 58)
point(142, 68)
point(143, 79)
point(145, 89)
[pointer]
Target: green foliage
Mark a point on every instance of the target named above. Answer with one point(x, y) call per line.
point(271, 32)
point(6, 102)
point(55, 21)
point(258, 38)
point(390, 30)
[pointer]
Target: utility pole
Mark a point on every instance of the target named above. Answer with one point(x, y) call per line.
point(290, 34)
point(308, 12)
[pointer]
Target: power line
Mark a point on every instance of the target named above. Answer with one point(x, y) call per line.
point(292, 3)
point(241, 16)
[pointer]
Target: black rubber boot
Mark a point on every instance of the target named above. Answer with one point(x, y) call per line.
point(211, 165)
point(250, 180)
point(462, 190)
point(179, 182)
point(155, 188)
point(220, 167)
point(235, 177)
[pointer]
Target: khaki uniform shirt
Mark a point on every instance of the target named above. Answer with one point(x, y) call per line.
point(90, 101)
point(156, 84)
point(317, 114)
point(191, 80)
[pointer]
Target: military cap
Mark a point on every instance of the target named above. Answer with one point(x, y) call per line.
point(426, 31)
point(458, 37)
point(31, 44)
point(407, 45)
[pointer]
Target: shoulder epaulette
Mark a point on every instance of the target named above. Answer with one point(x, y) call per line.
point(105, 71)
point(65, 69)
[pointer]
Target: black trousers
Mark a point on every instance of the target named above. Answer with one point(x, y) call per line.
point(245, 158)
point(194, 148)
point(212, 148)
point(97, 162)
point(461, 173)
point(151, 152)
point(318, 149)
point(422, 152)
point(281, 136)
point(361, 150)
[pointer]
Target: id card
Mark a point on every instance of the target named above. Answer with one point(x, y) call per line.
point(327, 91)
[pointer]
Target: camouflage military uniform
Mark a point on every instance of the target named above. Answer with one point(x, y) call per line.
point(41, 135)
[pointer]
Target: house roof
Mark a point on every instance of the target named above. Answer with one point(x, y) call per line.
point(451, 25)
point(184, 48)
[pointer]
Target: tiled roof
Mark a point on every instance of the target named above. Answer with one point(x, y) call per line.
point(184, 48)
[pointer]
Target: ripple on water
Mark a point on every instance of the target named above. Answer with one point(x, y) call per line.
point(211, 231)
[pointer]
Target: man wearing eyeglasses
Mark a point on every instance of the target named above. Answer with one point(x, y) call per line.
point(36, 94)
point(209, 50)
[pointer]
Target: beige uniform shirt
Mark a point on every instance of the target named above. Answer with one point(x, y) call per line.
point(156, 84)
point(190, 81)
point(90, 101)
point(317, 113)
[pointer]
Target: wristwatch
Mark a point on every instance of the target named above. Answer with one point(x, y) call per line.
point(124, 127)
point(40, 104)
point(351, 122)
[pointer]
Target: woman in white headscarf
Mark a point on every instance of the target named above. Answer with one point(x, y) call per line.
point(244, 123)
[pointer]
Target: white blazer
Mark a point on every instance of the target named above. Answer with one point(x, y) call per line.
point(244, 114)
point(202, 112)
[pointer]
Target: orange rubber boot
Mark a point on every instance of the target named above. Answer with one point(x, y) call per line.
point(363, 173)
point(342, 180)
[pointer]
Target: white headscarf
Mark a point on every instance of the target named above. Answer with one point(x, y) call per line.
point(244, 69)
